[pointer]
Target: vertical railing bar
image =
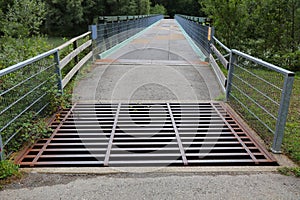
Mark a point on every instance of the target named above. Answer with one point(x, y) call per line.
point(230, 75)
point(282, 113)
point(112, 135)
point(1, 148)
point(58, 71)
point(75, 45)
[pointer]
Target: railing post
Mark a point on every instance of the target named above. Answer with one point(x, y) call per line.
point(58, 71)
point(210, 35)
point(283, 112)
point(230, 74)
point(1, 149)
point(93, 29)
point(75, 45)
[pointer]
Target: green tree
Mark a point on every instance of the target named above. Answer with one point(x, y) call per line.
point(23, 18)
point(64, 17)
point(143, 7)
point(158, 9)
point(132, 8)
point(268, 29)
point(230, 19)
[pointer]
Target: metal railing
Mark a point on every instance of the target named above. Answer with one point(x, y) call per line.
point(111, 31)
point(220, 62)
point(26, 88)
point(260, 92)
point(200, 33)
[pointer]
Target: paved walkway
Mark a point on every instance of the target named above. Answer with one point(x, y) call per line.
point(159, 65)
point(158, 186)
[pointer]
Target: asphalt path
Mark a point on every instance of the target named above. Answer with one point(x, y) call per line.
point(157, 186)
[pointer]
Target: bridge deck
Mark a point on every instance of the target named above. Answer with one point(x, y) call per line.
point(160, 64)
point(121, 126)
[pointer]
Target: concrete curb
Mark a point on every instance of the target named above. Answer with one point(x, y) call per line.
point(192, 43)
point(118, 170)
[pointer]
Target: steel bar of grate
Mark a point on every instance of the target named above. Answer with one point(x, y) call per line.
point(52, 136)
point(185, 162)
point(112, 135)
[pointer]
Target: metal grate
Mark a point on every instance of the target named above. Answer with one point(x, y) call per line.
point(146, 134)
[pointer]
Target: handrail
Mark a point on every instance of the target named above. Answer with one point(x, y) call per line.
point(123, 17)
point(264, 63)
point(221, 44)
point(40, 76)
point(72, 40)
point(26, 62)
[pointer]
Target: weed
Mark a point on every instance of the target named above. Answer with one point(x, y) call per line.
point(7, 169)
point(221, 97)
point(288, 171)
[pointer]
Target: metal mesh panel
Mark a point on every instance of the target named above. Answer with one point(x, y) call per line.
point(197, 31)
point(110, 33)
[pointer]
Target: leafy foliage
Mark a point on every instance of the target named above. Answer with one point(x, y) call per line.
point(7, 169)
point(158, 9)
point(23, 18)
point(295, 171)
point(15, 50)
point(267, 29)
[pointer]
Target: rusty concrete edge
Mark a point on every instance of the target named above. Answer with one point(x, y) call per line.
point(115, 170)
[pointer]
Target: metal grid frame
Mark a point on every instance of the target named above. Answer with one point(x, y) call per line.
point(148, 134)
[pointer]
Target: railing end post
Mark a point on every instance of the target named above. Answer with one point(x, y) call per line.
point(276, 151)
point(93, 29)
point(283, 112)
point(1, 149)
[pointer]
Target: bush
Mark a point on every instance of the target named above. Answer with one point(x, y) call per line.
point(15, 50)
point(7, 169)
point(23, 18)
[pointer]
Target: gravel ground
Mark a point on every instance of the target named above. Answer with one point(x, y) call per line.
point(155, 186)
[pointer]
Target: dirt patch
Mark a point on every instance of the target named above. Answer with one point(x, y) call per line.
point(31, 180)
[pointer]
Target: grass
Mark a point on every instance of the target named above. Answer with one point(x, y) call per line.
point(291, 144)
point(290, 171)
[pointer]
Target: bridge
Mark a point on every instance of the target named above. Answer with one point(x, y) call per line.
point(157, 92)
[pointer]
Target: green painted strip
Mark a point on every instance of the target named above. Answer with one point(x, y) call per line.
point(125, 42)
point(192, 43)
